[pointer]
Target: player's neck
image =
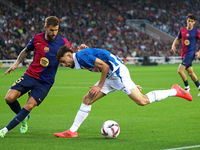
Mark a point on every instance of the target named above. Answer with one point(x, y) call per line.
point(46, 38)
point(190, 28)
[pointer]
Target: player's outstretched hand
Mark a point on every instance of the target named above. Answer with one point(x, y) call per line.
point(173, 49)
point(139, 88)
point(12, 68)
point(197, 54)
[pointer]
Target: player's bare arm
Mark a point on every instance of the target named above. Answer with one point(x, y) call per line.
point(20, 58)
point(176, 42)
point(104, 71)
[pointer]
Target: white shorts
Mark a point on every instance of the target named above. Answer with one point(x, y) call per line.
point(120, 80)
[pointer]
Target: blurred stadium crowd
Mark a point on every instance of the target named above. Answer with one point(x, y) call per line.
point(97, 23)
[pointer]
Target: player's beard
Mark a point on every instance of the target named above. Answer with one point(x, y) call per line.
point(73, 65)
point(51, 37)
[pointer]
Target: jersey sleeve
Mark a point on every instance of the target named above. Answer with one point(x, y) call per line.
point(179, 34)
point(30, 45)
point(198, 33)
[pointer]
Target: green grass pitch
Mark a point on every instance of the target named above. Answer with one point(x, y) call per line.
point(170, 123)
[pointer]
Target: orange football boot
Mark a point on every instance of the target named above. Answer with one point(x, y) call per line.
point(182, 93)
point(67, 133)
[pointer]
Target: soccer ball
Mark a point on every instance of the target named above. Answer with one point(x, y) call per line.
point(110, 129)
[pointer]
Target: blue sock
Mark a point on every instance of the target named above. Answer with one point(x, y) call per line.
point(15, 106)
point(197, 83)
point(17, 119)
point(186, 83)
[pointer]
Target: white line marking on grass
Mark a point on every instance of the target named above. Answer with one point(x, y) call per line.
point(186, 147)
point(69, 87)
point(72, 87)
point(76, 83)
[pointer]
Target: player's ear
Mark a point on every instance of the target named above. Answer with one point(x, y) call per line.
point(70, 55)
point(45, 28)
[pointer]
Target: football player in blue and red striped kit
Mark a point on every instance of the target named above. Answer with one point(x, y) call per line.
point(40, 75)
point(188, 36)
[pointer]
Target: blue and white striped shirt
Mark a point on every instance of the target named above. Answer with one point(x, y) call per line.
point(85, 59)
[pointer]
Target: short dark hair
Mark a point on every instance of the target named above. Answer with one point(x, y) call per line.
point(51, 20)
point(191, 16)
point(62, 50)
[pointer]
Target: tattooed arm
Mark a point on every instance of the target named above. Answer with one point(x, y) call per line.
point(20, 58)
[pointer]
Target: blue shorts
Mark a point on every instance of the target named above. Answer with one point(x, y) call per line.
point(27, 83)
point(187, 61)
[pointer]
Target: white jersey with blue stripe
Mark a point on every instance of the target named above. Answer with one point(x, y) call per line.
point(85, 59)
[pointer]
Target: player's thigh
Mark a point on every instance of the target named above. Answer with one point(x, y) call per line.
point(12, 95)
point(181, 68)
point(89, 100)
point(20, 87)
point(138, 97)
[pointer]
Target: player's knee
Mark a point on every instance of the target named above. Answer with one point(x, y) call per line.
point(11, 96)
point(9, 99)
point(87, 100)
point(190, 73)
point(180, 72)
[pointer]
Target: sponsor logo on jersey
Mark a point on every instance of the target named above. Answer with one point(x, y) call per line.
point(186, 42)
point(46, 49)
point(44, 61)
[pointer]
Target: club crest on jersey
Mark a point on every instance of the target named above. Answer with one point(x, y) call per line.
point(46, 49)
point(44, 61)
point(186, 42)
point(187, 35)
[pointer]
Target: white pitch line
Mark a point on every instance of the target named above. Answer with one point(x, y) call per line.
point(186, 147)
point(71, 87)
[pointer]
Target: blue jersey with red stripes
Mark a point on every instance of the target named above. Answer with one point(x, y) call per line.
point(189, 40)
point(44, 65)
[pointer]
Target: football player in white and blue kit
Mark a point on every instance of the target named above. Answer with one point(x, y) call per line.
point(114, 76)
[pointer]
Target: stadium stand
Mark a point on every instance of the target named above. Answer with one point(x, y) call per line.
point(95, 23)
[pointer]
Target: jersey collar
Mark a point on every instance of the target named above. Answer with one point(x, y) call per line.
point(77, 65)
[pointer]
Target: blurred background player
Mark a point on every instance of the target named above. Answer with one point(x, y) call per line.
point(39, 76)
point(114, 76)
point(189, 36)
